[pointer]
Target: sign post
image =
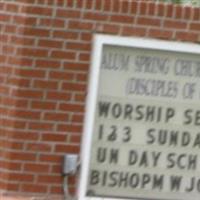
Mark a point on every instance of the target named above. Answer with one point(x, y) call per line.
point(142, 128)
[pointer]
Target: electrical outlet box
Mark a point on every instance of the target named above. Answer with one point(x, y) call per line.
point(70, 163)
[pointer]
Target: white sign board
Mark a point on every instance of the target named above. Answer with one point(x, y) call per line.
point(142, 129)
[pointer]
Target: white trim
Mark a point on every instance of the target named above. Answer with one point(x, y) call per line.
point(99, 41)
point(149, 43)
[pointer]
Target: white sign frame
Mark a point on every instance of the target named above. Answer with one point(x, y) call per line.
point(98, 41)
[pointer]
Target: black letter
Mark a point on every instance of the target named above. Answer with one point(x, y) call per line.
point(187, 116)
point(103, 109)
point(151, 137)
point(94, 177)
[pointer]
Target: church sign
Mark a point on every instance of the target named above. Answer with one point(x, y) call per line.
point(142, 128)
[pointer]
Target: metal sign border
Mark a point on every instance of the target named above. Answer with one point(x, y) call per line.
point(98, 41)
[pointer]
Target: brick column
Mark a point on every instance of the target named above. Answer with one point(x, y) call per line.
point(45, 48)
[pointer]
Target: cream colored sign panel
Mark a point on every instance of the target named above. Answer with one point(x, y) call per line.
point(145, 141)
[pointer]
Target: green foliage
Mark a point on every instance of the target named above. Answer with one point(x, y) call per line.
point(183, 2)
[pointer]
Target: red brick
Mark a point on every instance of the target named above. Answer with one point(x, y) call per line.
point(23, 135)
point(50, 43)
point(71, 107)
point(5, 17)
point(23, 62)
point(196, 14)
point(175, 24)
point(82, 77)
point(122, 19)
point(21, 177)
point(67, 148)
point(10, 29)
point(26, 114)
point(32, 52)
point(65, 34)
point(77, 118)
point(50, 137)
point(187, 36)
point(143, 8)
point(98, 4)
point(50, 158)
point(178, 12)
point(86, 37)
point(61, 75)
point(75, 139)
point(12, 186)
point(78, 25)
point(148, 21)
point(4, 111)
point(22, 40)
point(73, 86)
point(56, 169)
point(170, 10)
point(11, 145)
point(43, 84)
point(24, 20)
point(134, 6)
point(57, 23)
point(151, 8)
point(2, 79)
point(10, 165)
point(37, 73)
point(135, 31)
point(26, 2)
point(4, 38)
point(2, 58)
point(76, 66)
point(95, 16)
point(47, 64)
point(187, 12)
point(195, 26)
point(35, 188)
point(116, 6)
point(50, 179)
point(62, 96)
point(84, 57)
point(160, 9)
point(56, 116)
point(2, 5)
point(56, 190)
point(68, 13)
point(21, 156)
point(38, 147)
point(36, 167)
point(69, 128)
point(78, 46)
point(4, 90)
point(162, 34)
point(125, 6)
point(12, 8)
point(79, 3)
point(67, 55)
point(36, 10)
point(58, 3)
point(80, 97)
point(88, 4)
point(8, 49)
point(43, 105)
point(14, 123)
point(112, 29)
point(37, 32)
point(70, 3)
point(19, 103)
point(41, 126)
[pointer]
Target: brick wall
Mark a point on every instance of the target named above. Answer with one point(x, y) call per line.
point(45, 48)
